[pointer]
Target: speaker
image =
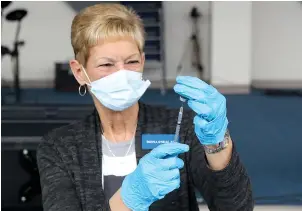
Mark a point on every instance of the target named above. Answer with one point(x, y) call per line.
point(64, 79)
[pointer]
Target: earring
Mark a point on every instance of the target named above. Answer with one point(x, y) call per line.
point(80, 92)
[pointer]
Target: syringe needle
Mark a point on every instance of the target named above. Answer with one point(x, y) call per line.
point(179, 119)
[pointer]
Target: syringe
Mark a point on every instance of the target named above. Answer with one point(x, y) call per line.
point(179, 119)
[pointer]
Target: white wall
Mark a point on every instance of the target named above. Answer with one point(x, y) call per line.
point(47, 38)
point(277, 41)
point(275, 27)
point(231, 43)
point(46, 31)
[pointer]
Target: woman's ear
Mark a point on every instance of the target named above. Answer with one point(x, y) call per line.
point(77, 71)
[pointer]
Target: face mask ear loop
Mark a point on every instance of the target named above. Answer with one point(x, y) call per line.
point(83, 69)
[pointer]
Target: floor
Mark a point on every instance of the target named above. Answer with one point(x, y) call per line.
point(265, 129)
point(267, 208)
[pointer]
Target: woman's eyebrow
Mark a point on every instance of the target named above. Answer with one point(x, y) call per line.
point(113, 60)
point(106, 58)
point(135, 54)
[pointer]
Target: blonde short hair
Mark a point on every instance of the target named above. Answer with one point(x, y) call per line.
point(104, 21)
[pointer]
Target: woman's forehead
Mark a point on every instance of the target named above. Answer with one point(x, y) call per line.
point(117, 49)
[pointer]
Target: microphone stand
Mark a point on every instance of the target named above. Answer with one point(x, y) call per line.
point(15, 58)
point(17, 15)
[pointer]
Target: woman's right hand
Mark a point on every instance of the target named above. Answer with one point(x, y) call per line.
point(156, 175)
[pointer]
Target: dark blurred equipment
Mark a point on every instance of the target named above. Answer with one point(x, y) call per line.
point(194, 45)
point(16, 15)
point(5, 50)
point(64, 79)
point(5, 4)
point(31, 188)
point(22, 129)
point(17, 183)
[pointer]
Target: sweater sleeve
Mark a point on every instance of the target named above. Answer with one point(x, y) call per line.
point(58, 191)
point(228, 189)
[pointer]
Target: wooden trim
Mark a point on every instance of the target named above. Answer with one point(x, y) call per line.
point(275, 84)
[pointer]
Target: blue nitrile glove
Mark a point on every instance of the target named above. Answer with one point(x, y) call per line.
point(211, 121)
point(156, 175)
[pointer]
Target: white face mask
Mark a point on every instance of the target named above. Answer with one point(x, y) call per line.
point(120, 90)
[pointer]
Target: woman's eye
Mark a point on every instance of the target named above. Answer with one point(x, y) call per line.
point(133, 62)
point(106, 65)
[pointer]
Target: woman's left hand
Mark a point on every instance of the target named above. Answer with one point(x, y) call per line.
point(210, 106)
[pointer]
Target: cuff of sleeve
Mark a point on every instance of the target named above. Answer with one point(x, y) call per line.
point(228, 175)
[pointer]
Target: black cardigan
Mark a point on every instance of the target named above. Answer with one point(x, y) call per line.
point(69, 160)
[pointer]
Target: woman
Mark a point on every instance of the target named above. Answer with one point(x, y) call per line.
point(112, 160)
